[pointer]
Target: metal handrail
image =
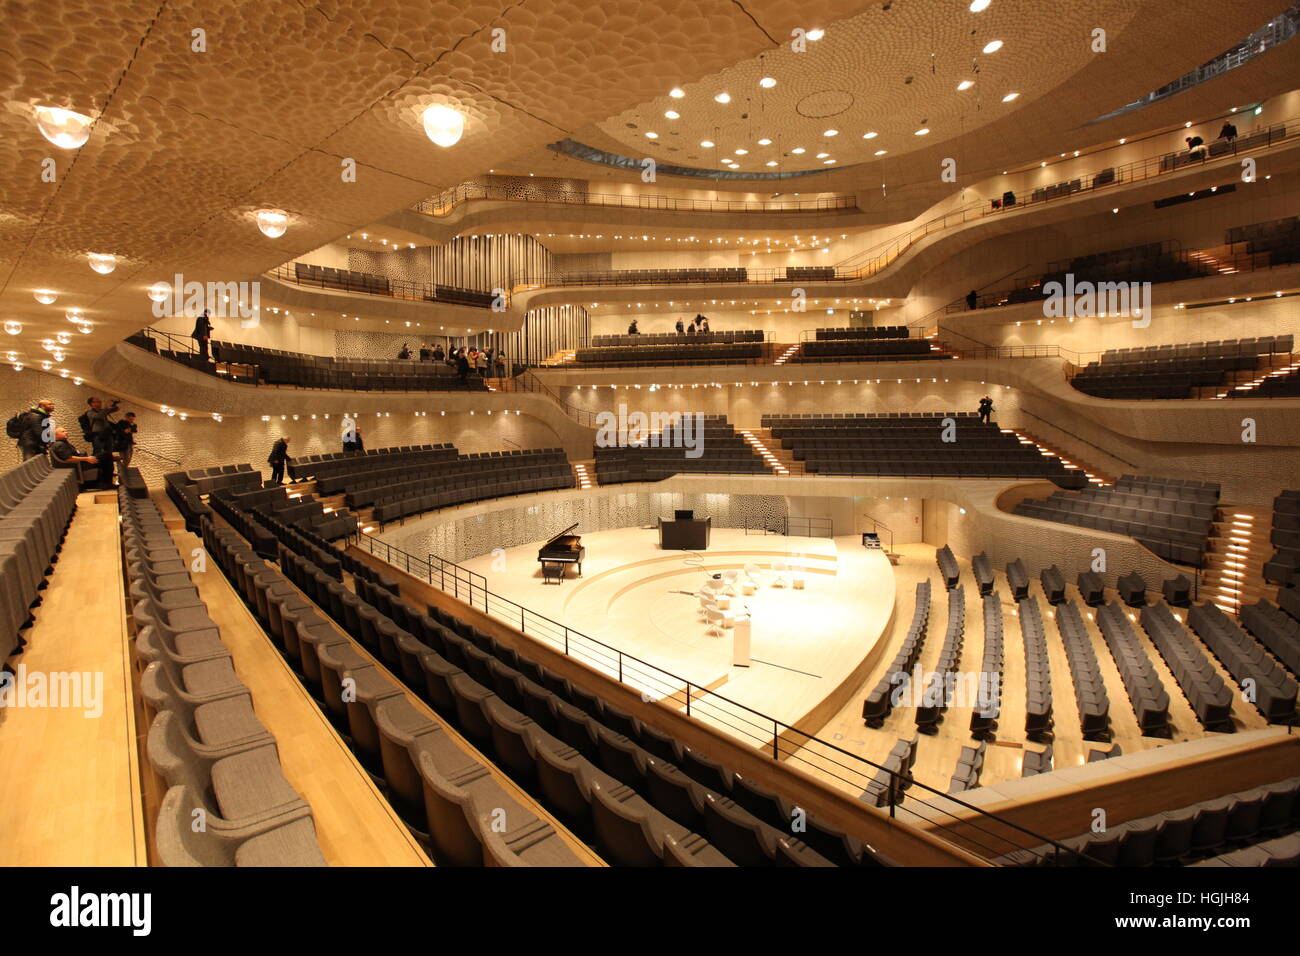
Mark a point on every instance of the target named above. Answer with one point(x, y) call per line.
point(396, 288)
point(445, 203)
point(877, 524)
point(654, 682)
point(138, 447)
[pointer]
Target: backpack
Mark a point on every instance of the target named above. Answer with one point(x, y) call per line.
point(84, 421)
point(14, 427)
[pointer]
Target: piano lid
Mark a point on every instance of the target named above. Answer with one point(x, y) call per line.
point(561, 534)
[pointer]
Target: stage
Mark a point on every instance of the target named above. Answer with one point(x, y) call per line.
point(810, 647)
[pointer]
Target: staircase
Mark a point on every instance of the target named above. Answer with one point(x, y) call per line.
point(1233, 575)
point(561, 357)
point(1095, 476)
point(787, 352)
point(584, 473)
point(780, 460)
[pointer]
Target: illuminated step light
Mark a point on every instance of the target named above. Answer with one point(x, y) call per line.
point(66, 129)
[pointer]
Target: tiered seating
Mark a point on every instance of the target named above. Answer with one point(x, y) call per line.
point(347, 280)
point(688, 352)
point(36, 507)
point(880, 701)
point(1053, 582)
point(729, 337)
point(651, 277)
point(863, 332)
point(205, 740)
point(624, 785)
point(1017, 579)
point(1210, 697)
point(1284, 567)
point(1282, 383)
point(1201, 831)
point(981, 568)
point(1171, 517)
point(1089, 688)
point(333, 471)
point(1270, 689)
point(721, 451)
point(220, 477)
point(1276, 629)
point(934, 698)
point(1173, 371)
point(913, 444)
point(1038, 674)
point(278, 367)
point(810, 273)
point(1091, 588)
point(1035, 762)
point(1177, 591)
point(894, 777)
point(1145, 692)
point(1132, 588)
point(464, 479)
point(1280, 851)
point(984, 716)
point(305, 513)
point(867, 350)
point(1278, 239)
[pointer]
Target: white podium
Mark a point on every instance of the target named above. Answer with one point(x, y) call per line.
point(740, 642)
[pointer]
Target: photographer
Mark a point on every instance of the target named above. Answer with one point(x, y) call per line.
point(97, 428)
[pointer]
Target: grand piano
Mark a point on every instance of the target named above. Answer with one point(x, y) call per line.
point(565, 548)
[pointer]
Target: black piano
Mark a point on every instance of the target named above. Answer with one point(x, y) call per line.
point(565, 548)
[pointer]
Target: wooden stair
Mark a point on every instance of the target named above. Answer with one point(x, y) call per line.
point(1233, 575)
point(778, 459)
point(1095, 475)
point(584, 473)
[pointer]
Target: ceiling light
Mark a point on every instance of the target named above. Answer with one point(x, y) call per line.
point(922, 131)
point(677, 92)
point(63, 337)
point(650, 134)
point(881, 152)
point(45, 296)
point(273, 222)
point(102, 262)
point(979, 6)
point(827, 163)
point(672, 114)
point(159, 291)
point(723, 98)
point(831, 132)
point(772, 162)
point(822, 155)
point(13, 328)
point(872, 135)
point(798, 150)
point(64, 128)
point(443, 125)
point(816, 35)
point(993, 46)
point(742, 152)
point(765, 142)
point(767, 82)
point(1009, 97)
point(706, 143)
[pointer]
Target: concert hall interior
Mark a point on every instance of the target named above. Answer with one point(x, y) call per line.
point(614, 434)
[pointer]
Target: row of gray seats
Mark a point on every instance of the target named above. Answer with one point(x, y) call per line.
point(984, 717)
point(220, 764)
point(880, 701)
point(1264, 683)
point(948, 567)
point(1210, 697)
point(37, 502)
point(335, 474)
point(894, 776)
point(1035, 762)
point(970, 763)
point(1279, 851)
point(1275, 628)
point(1089, 688)
point(1038, 672)
point(935, 697)
point(1182, 836)
point(982, 570)
point(1145, 691)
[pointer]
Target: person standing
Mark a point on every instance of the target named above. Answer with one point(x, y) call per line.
point(501, 364)
point(202, 333)
point(986, 409)
point(462, 367)
point(33, 437)
point(972, 300)
point(100, 430)
point(681, 326)
point(632, 329)
point(405, 352)
point(438, 354)
point(482, 364)
point(1229, 131)
point(125, 439)
point(279, 455)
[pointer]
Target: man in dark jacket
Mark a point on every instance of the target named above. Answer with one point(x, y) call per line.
point(986, 409)
point(34, 437)
point(63, 454)
point(681, 327)
point(202, 333)
point(125, 438)
point(279, 455)
point(462, 366)
point(103, 438)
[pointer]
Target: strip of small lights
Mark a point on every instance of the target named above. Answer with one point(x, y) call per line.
point(772, 461)
point(584, 479)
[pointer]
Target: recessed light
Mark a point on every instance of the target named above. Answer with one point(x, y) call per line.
point(677, 93)
point(798, 150)
point(651, 134)
point(64, 128)
point(993, 46)
point(831, 132)
point(979, 6)
point(767, 82)
point(706, 143)
point(765, 142)
point(816, 34)
point(827, 163)
point(924, 130)
point(1009, 97)
point(881, 152)
point(742, 152)
point(672, 114)
point(723, 98)
point(772, 162)
point(872, 135)
point(965, 85)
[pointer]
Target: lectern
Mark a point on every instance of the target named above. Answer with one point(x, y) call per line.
point(687, 534)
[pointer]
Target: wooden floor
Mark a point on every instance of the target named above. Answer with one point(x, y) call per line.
point(70, 791)
point(937, 755)
point(355, 825)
